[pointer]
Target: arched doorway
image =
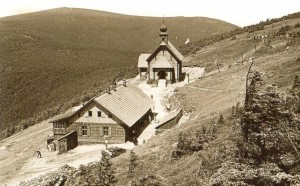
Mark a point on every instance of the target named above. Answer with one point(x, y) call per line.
point(162, 74)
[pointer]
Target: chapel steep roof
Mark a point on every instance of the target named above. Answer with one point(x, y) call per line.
point(168, 46)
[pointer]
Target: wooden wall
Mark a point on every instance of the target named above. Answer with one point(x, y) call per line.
point(174, 73)
point(67, 142)
point(139, 126)
point(118, 131)
point(169, 123)
point(95, 133)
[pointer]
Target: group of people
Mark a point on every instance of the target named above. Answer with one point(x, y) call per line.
point(52, 147)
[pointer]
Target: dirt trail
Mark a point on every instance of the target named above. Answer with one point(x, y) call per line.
point(215, 90)
point(16, 150)
point(18, 160)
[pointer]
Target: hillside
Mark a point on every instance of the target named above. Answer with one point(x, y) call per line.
point(208, 150)
point(51, 60)
point(211, 147)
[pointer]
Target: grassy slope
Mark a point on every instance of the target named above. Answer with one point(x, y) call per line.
point(205, 99)
point(54, 58)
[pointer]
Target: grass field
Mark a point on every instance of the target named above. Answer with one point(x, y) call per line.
point(54, 59)
point(205, 100)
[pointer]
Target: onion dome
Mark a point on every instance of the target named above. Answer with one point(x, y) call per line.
point(163, 28)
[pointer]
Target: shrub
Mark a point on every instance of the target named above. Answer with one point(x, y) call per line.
point(116, 151)
point(150, 180)
point(221, 120)
point(190, 143)
point(233, 38)
point(99, 173)
point(232, 173)
point(297, 25)
point(283, 30)
point(57, 177)
point(133, 163)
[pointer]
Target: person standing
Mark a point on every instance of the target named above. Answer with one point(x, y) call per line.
point(106, 142)
point(39, 154)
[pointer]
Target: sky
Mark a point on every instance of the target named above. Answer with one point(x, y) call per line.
point(238, 12)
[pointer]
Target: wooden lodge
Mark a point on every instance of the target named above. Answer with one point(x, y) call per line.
point(164, 63)
point(119, 115)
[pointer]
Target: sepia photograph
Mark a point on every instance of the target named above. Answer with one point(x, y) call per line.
point(149, 93)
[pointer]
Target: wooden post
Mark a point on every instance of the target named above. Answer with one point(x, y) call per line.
point(140, 74)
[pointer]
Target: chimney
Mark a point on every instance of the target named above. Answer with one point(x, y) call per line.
point(108, 90)
point(114, 86)
point(124, 82)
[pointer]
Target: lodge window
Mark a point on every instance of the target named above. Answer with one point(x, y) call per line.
point(84, 130)
point(99, 113)
point(105, 131)
point(90, 113)
point(59, 125)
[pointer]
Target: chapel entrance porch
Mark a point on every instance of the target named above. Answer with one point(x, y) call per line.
point(161, 74)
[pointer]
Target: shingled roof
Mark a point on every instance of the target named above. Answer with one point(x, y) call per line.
point(162, 62)
point(128, 103)
point(69, 114)
point(62, 116)
point(175, 51)
point(142, 63)
point(170, 47)
point(169, 117)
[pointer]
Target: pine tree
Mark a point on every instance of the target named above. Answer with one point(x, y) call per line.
point(221, 120)
point(108, 174)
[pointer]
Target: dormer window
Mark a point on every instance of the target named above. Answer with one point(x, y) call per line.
point(90, 113)
point(99, 113)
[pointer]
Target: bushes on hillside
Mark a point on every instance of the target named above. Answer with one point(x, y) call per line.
point(133, 163)
point(283, 30)
point(297, 25)
point(193, 47)
point(270, 126)
point(99, 173)
point(149, 180)
point(232, 173)
point(58, 177)
point(190, 143)
point(268, 152)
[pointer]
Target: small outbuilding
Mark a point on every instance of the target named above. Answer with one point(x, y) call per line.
point(169, 120)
